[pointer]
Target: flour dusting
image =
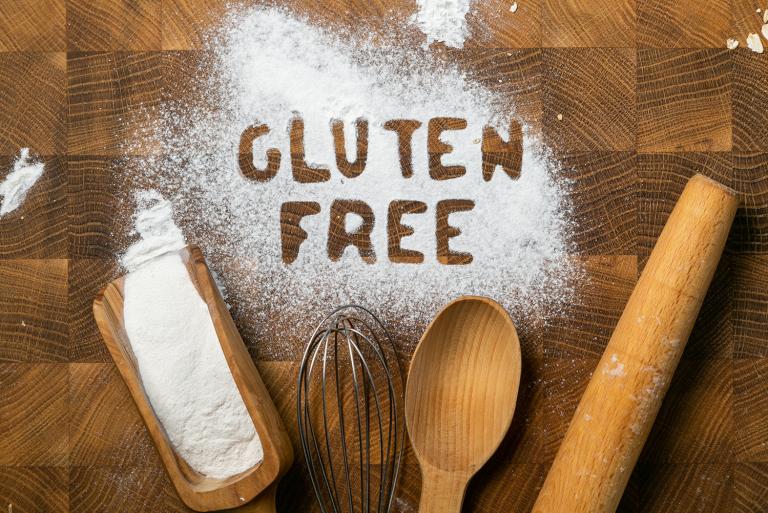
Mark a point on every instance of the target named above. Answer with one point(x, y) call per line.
point(443, 20)
point(269, 66)
point(19, 181)
point(159, 233)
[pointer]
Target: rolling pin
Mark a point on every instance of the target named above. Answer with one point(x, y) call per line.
point(620, 403)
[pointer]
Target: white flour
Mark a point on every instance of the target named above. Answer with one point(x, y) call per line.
point(182, 367)
point(443, 20)
point(268, 66)
point(154, 223)
point(19, 181)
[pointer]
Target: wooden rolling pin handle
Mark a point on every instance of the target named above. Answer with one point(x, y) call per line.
point(620, 403)
point(442, 491)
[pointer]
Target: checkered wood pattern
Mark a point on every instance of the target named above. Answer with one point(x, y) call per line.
point(648, 96)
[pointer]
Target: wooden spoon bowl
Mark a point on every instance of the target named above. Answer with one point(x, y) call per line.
point(199, 492)
point(460, 396)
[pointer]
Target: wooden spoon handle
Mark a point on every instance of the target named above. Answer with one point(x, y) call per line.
point(442, 491)
point(621, 401)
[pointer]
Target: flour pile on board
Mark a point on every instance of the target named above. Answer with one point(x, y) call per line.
point(268, 67)
point(14, 188)
point(443, 20)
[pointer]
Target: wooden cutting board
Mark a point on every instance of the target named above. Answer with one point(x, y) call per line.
point(648, 96)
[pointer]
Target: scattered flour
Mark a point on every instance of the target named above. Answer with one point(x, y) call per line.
point(159, 233)
point(443, 20)
point(181, 364)
point(19, 181)
point(269, 65)
point(617, 370)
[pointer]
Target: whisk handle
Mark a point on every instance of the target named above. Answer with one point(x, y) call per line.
point(442, 491)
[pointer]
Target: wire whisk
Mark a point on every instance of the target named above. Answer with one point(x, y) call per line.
point(350, 413)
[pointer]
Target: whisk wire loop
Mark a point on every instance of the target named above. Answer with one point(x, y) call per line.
point(354, 352)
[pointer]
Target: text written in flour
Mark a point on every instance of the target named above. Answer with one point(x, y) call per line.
point(497, 152)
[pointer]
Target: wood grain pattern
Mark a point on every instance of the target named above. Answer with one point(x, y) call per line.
point(685, 433)
point(33, 414)
point(588, 23)
point(750, 306)
point(516, 488)
point(106, 25)
point(109, 95)
point(126, 489)
point(750, 486)
point(750, 125)
point(516, 74)
point(671, 24)
point(105, 428)
point(35, 489)
point(185, 21)
point(750, 178)
point(33, 26)
point(33, 102)
point(33, 311)
point(582, 330)
point(91, 207)
point(712, 335)
point(627, 158)
point(750, 408)
point(86, 278)
point(492, 25)
point(604, 193)
point(670, 488)
point(683, 100)
point(564, 383)
point(745, 18)
point(593, 89)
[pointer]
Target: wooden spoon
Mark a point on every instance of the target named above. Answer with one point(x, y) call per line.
point(199, 492)
point(460, 397)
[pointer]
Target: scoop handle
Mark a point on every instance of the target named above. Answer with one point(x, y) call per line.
point(442, 491)
point(617, 410)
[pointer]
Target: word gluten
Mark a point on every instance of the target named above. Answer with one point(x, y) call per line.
point(496, 152)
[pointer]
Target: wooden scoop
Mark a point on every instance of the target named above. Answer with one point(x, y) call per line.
point(199, 492)
point(460, 397)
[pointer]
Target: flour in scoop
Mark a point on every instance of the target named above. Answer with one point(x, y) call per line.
point(180, 361)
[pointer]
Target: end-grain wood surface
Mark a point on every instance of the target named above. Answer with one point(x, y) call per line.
point(634, 96)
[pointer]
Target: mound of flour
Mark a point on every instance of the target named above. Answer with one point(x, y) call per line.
point(182, 366)
point(267, 65)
